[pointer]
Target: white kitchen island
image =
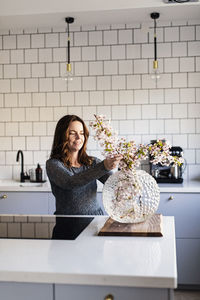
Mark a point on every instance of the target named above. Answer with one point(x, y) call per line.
point(90, 267)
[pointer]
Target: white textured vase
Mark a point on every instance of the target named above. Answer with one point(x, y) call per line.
point(131, 197)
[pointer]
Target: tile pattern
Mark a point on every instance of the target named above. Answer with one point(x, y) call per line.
point(111, 65)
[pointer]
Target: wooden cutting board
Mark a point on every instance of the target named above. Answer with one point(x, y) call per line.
point(151, 227)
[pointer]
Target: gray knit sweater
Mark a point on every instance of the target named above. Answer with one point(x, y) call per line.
point(75, 188)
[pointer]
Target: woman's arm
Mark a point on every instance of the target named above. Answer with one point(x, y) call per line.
point(64, 178)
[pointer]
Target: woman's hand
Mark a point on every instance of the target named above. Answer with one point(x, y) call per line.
point(112, 163)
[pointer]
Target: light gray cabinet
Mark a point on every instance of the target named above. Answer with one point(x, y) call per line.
point(63, 292)
point(25, 291)
point(185, 207)
point(24, 203)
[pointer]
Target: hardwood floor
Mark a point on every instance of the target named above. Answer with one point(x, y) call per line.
point(186, 295)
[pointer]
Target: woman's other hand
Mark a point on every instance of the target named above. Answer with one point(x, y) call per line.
point(112, 163)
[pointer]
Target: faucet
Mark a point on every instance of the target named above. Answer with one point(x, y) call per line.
point(23, 176)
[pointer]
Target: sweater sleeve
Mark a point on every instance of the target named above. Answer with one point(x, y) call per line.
point(65, 179)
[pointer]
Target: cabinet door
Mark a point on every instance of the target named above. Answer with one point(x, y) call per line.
point(186, 210)
point(51, 203)
point(63, 292)
point(24, 203)
point(188, 261)
point(25, 291)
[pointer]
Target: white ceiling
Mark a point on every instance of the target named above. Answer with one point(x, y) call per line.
point(48, 13)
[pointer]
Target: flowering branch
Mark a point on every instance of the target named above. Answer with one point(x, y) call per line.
point(132, 154)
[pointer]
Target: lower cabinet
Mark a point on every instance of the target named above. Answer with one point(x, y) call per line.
point(27, 203)
point(26, 291)
point(186, 210)
point(63, 292)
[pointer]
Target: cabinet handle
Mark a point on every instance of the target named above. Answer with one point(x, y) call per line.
point(171, 198)
point(4, 196)
point(109, 297)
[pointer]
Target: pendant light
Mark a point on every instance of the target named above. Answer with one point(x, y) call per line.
point(155, 74)
point(68, 75)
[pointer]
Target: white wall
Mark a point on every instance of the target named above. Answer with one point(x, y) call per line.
point(111, 66)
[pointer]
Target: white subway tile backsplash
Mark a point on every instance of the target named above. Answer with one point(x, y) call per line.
point(126, 127)
point(147, 82)
point(180, 139)
point(133, 51)
point(103, 82)
point(156, 126)
point(197, 94)
point(110, 37)
point(140, 66)
point(193, 79)
point(23, 41)
point(9, 42)
point(81, 68)
point(59, 55)
point(89, 112)
point(88, 53)
point(133, 82)
point(156, 96)
point(31, 85)
point(59, 112)
point(12, 129)
point(96, 98)
point(96, 68)
point(39, 129)
point(52, 69)
point(187, 64)
point(32, 114)
point(18, 143)
point(80, 38)
point(110, 67)
point(32, 143)
point(164, 111)
point(5, 143)
point(171, 34)
point(53, 99)
point(125, 36)
point(139, 36)
point(45, 85)
point(111, 97)
point(37, 41)
point(194, 141)
point(75, 110)
point(147, 51)
point(193, 48)
point(187, 95)
point(148, 111)
point(5, 86)
point(118, 82)
point(23, 70)
point(118, 52)
point(179, 49)
point(187, 126)
point(45, 55)
point(74, 85)
point(2, 130)
point(95, 38)
point(171, 95)
point(51, 40)
point(103, 53)
point(25, 129)
point(172, 126)
point(134, 112)
point(141, 97)
point(187, 33)
point(60, 85)
point(46, 114)
point(38, 70)
point(89, 83)
point(194, 110)
point(189, 155)
point(5, 114)
point(164, 50)
point(119, 112)
point(179, 110)
point(67, 98)
point(17, 85)
point(10, 71)
point(197, 64)
point(141, 126)
point(4, 57)
point(125, 97)
point(171, 65)
point(81, 98)
point(11, 100)
point(17, 56)
point(125, 67)
point(39, 99)
point(31, 55)
point(179, 80)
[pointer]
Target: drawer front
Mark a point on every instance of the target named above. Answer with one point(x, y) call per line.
point(64, 292)
point(188, 261)
point(186, 210)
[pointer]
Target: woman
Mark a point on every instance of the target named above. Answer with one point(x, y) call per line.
point(72, 173)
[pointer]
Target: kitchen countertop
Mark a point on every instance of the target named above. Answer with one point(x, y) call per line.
point(94, 260)
point(16, 186)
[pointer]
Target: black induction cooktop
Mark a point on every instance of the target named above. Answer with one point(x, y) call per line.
point(42, 227)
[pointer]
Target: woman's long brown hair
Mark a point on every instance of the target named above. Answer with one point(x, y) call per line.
point(60, 148)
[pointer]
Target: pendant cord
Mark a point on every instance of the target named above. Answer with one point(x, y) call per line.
point(155, 42)
point(68, 45)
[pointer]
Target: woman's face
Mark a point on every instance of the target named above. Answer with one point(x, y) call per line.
point(76, 136)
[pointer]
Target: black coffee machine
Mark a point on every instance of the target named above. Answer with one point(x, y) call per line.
point(168, 174)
